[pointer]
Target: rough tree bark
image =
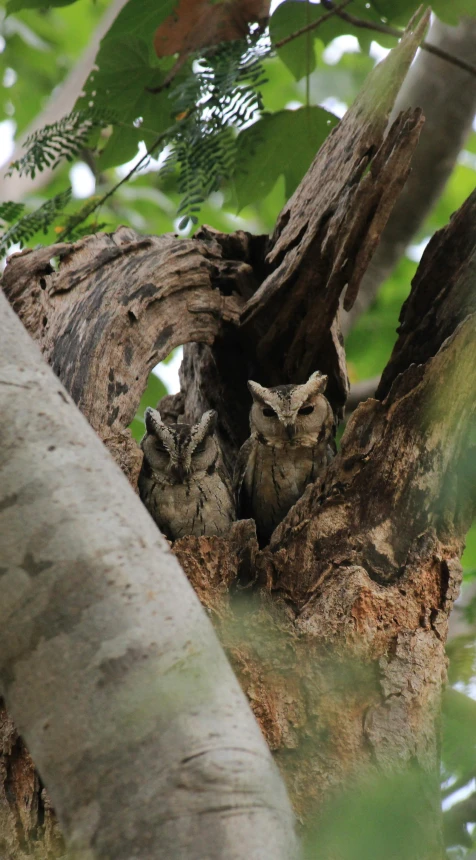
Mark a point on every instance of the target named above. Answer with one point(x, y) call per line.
point(358, 581)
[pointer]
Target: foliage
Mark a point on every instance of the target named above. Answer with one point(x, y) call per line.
point(213, 98)
point(374, 818)
point(64, 139)
point(278, 144)
point(28, 225)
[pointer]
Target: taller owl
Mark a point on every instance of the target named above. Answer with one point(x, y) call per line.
point(290, 445)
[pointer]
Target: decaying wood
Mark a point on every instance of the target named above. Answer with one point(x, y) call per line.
point(328, 231)
point(27, 829)
point(337, 629)
point(346, 641)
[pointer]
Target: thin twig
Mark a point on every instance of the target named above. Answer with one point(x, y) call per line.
point(313, 26)
point(165, 134)
point(388, 30)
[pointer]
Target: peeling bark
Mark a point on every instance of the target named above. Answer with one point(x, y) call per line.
point(29, 828)
point(336, 630)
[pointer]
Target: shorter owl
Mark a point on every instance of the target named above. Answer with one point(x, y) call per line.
point(182, 481)
point(290, 445)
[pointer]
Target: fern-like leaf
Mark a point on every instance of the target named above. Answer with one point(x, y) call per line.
point(64, 139)
point(216, 101)
point(32, 223)
point(10, 211)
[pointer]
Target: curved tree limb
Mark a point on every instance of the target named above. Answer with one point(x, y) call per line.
point(447, 97)
point(108, 664)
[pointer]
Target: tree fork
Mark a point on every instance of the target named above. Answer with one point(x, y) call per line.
point(344, 574)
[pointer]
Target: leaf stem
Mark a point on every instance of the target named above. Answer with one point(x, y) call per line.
point(313, 26)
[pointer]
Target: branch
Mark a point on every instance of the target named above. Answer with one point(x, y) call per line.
point(359, 392)
point(183, 290)
point(109, 665)
point(313, 26)
point(328, 231)
point(388, 30)
point(448, 109)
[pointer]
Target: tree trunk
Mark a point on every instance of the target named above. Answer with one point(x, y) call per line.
point(336, 630)
point(447, 96)
point(108, 663)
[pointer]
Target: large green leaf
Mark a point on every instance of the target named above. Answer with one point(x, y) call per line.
point(140, 18)
point(298, 54)
point(459, 732)
point(122, 84)
point(452, 12)
point(282, 143)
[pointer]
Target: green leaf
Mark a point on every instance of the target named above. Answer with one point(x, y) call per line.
point(139, 18)
point(10, 211)
point(282, 143)
point(459, 732)
point(122, 83)
point(298, 55)
point(121, 147)
point(18, 5)
point(452, 12)
point(371, 340)
point(400, 11)
point(468, 559)
point(35, 221)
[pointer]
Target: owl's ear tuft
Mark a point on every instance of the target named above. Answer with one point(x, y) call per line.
point(209, 422)
point(317, 382)
point(258, 392)
point(152, 420)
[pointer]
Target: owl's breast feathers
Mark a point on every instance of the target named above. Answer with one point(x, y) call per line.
point(269, 479)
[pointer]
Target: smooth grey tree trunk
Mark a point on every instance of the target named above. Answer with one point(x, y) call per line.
point(109, 666)
point(447, 96)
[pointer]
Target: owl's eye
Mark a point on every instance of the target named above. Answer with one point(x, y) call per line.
point(199, 449)
point(268, 412)
point(306, 410)
point(159, 446)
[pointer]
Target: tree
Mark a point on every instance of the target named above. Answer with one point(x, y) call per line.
point(337, 631)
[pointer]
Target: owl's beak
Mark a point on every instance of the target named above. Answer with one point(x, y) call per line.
point(178, 472)
point(291, 431)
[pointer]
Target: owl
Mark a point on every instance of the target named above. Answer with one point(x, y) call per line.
point(182, 481)
point(291, 443)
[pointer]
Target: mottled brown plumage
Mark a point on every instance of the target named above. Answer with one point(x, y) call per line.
point(290, 445)
point(183, 482)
